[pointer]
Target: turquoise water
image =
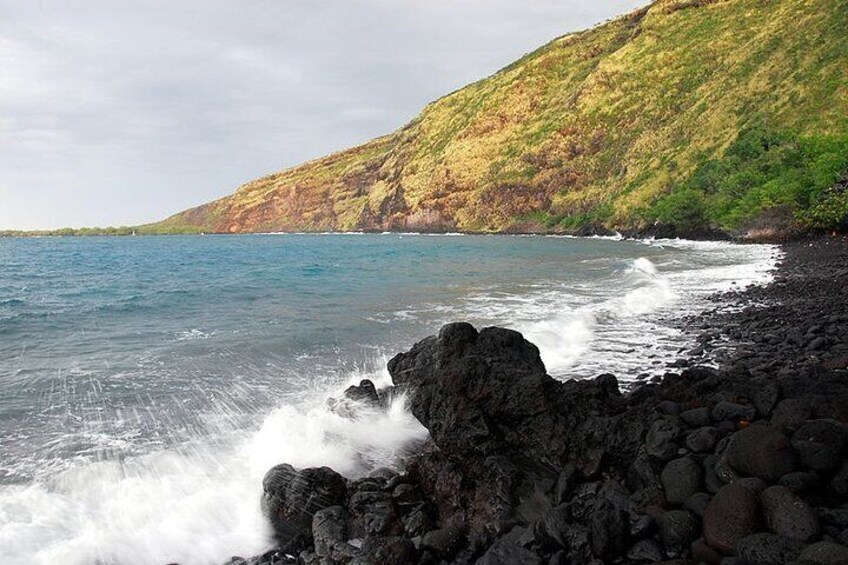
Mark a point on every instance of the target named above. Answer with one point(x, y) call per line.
point(165, 374)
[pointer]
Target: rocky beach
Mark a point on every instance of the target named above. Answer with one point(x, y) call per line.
point(542, 283)
point(739, 454)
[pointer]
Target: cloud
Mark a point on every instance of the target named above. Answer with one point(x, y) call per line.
point(119, 112)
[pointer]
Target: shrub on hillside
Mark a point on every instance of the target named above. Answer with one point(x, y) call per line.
point(685, 209)
point(764, 172)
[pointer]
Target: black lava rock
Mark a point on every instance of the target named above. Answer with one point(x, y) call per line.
point(485, 393)
point(820, 445)
point(662, 435)
point(788, 515)
point(703, 439)
point(678, 529)
point(824, 553)
point(696, 417)
point(732, 411)
point(291, 498)
point(768, 549)
point(392, 549)
point(731, 515)
point(681, 478)
point(761, 451)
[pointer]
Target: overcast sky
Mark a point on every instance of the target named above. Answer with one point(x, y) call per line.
point(118, 112)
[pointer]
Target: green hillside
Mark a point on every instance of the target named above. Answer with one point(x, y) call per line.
point(693, 113)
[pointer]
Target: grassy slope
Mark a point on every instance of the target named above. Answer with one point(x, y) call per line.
point(596, 127)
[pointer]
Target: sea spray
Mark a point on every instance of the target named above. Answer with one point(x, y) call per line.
point(198, 503)
point(310, 435)
point(561, 340)
point(191, 506)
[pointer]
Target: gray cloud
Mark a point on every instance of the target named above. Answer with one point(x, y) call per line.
point(125, 112)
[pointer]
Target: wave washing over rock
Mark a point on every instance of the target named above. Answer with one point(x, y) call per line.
point(747, 463)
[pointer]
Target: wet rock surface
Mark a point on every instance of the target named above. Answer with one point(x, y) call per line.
point(746, 463)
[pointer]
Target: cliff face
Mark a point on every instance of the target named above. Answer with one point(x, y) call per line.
point(598, 127)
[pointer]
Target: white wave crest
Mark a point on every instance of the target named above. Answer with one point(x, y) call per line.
point(565, 338)
point(652, 291)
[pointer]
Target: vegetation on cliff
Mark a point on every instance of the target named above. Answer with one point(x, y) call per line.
point(697, 113)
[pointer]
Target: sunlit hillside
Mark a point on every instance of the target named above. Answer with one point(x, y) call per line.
point(731, 114)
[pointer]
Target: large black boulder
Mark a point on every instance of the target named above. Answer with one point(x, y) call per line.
point(487, 393)
point(481, 392)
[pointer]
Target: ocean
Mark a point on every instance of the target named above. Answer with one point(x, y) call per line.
point(147, 383)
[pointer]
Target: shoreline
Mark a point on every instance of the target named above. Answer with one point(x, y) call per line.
point(747, 462)
point(653, 232)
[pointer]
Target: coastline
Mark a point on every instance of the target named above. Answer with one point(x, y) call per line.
point(658, 231)
point(708, 464)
